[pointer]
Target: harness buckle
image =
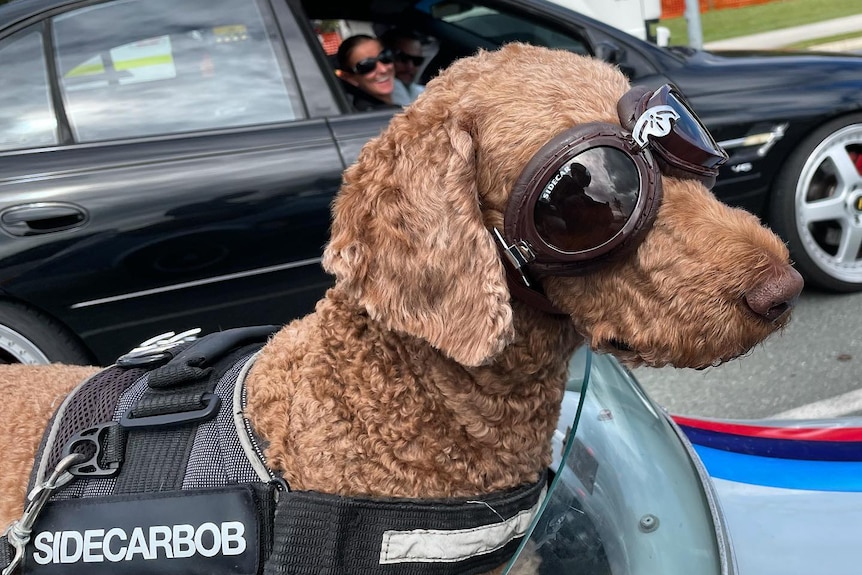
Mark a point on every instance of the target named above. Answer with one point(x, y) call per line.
point(18, 533)
point(517, 256)
point(211, 403)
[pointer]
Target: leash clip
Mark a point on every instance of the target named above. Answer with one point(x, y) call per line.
point(18, 533)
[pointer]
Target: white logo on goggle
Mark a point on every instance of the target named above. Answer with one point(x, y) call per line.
point(564, 171)
point(655, 122)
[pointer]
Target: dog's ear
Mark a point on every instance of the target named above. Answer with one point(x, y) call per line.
point(408, 242)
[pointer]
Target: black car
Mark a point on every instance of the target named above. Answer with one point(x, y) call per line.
point(168, 164)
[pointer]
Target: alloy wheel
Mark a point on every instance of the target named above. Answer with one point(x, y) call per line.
point(828, 204)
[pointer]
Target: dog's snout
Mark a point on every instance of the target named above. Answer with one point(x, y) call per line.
point(776, 295)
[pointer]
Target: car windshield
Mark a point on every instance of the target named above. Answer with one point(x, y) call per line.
point(627, 498)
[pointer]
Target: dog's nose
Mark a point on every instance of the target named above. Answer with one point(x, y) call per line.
point(776, 295)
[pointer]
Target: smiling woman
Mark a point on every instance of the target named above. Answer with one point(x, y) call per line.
point(364, 64)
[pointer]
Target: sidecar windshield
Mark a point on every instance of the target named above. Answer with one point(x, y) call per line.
point(627, 498)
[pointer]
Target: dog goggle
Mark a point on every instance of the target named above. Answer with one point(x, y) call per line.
point(368, 65)
point(591, 193)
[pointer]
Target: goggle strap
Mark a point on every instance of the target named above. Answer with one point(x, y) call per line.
point(531, 296)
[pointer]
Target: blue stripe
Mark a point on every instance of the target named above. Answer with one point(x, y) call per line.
point(774, 447)
point(786, 473)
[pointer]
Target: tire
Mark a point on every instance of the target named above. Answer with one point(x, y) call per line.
point(29, 336)
point(816, 205)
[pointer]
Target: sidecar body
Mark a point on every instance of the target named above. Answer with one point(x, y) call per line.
point(637, 491)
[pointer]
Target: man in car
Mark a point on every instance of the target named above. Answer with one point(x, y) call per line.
point(407, 51)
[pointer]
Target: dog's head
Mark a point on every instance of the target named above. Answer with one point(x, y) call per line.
point(689, 281)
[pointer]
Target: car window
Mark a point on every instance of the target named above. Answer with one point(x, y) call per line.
point(26, 112)
point(501, 27)
point(145, 67)
point(456, 28)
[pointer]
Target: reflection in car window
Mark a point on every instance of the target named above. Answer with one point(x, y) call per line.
point(26, 113)
point(500, 27)
point(144, 67)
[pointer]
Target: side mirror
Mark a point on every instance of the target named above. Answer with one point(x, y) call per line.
point(609, 52)
point(613, 54)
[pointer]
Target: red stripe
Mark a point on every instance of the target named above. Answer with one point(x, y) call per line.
point(849, 434)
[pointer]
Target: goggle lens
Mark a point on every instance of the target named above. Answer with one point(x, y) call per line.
point(703, 150)
point(588, 201)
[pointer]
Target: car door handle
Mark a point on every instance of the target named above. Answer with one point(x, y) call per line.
point(42, 218)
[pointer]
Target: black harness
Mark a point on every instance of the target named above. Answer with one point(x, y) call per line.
point(150, 467)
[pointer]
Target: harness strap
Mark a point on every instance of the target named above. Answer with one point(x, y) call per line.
point(180, 395)
point(6, 552)
point(300, 533)
point(321, 533)
point(81, 411)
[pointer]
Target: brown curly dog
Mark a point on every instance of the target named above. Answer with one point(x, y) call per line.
point(419, 374)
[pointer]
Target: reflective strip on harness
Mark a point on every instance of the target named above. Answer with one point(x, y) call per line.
point(322, 533)
point(441, 545)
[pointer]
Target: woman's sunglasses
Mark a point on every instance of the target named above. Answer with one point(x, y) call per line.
point(405, 58)
point(368, 65)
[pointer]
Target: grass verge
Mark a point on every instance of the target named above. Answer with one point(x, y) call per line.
point(819, 41)
point(732, 22)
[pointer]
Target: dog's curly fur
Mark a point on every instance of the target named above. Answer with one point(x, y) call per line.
point(418, 375)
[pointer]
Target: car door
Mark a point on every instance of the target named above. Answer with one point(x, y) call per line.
point(161, 168)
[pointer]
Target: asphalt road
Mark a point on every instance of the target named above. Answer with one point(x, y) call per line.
point(812, 368)
point(809, 370)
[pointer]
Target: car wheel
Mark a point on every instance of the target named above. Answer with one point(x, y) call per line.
point(28, 336)
point(817, 205)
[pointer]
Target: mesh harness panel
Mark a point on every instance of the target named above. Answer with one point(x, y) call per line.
point(301, 532)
